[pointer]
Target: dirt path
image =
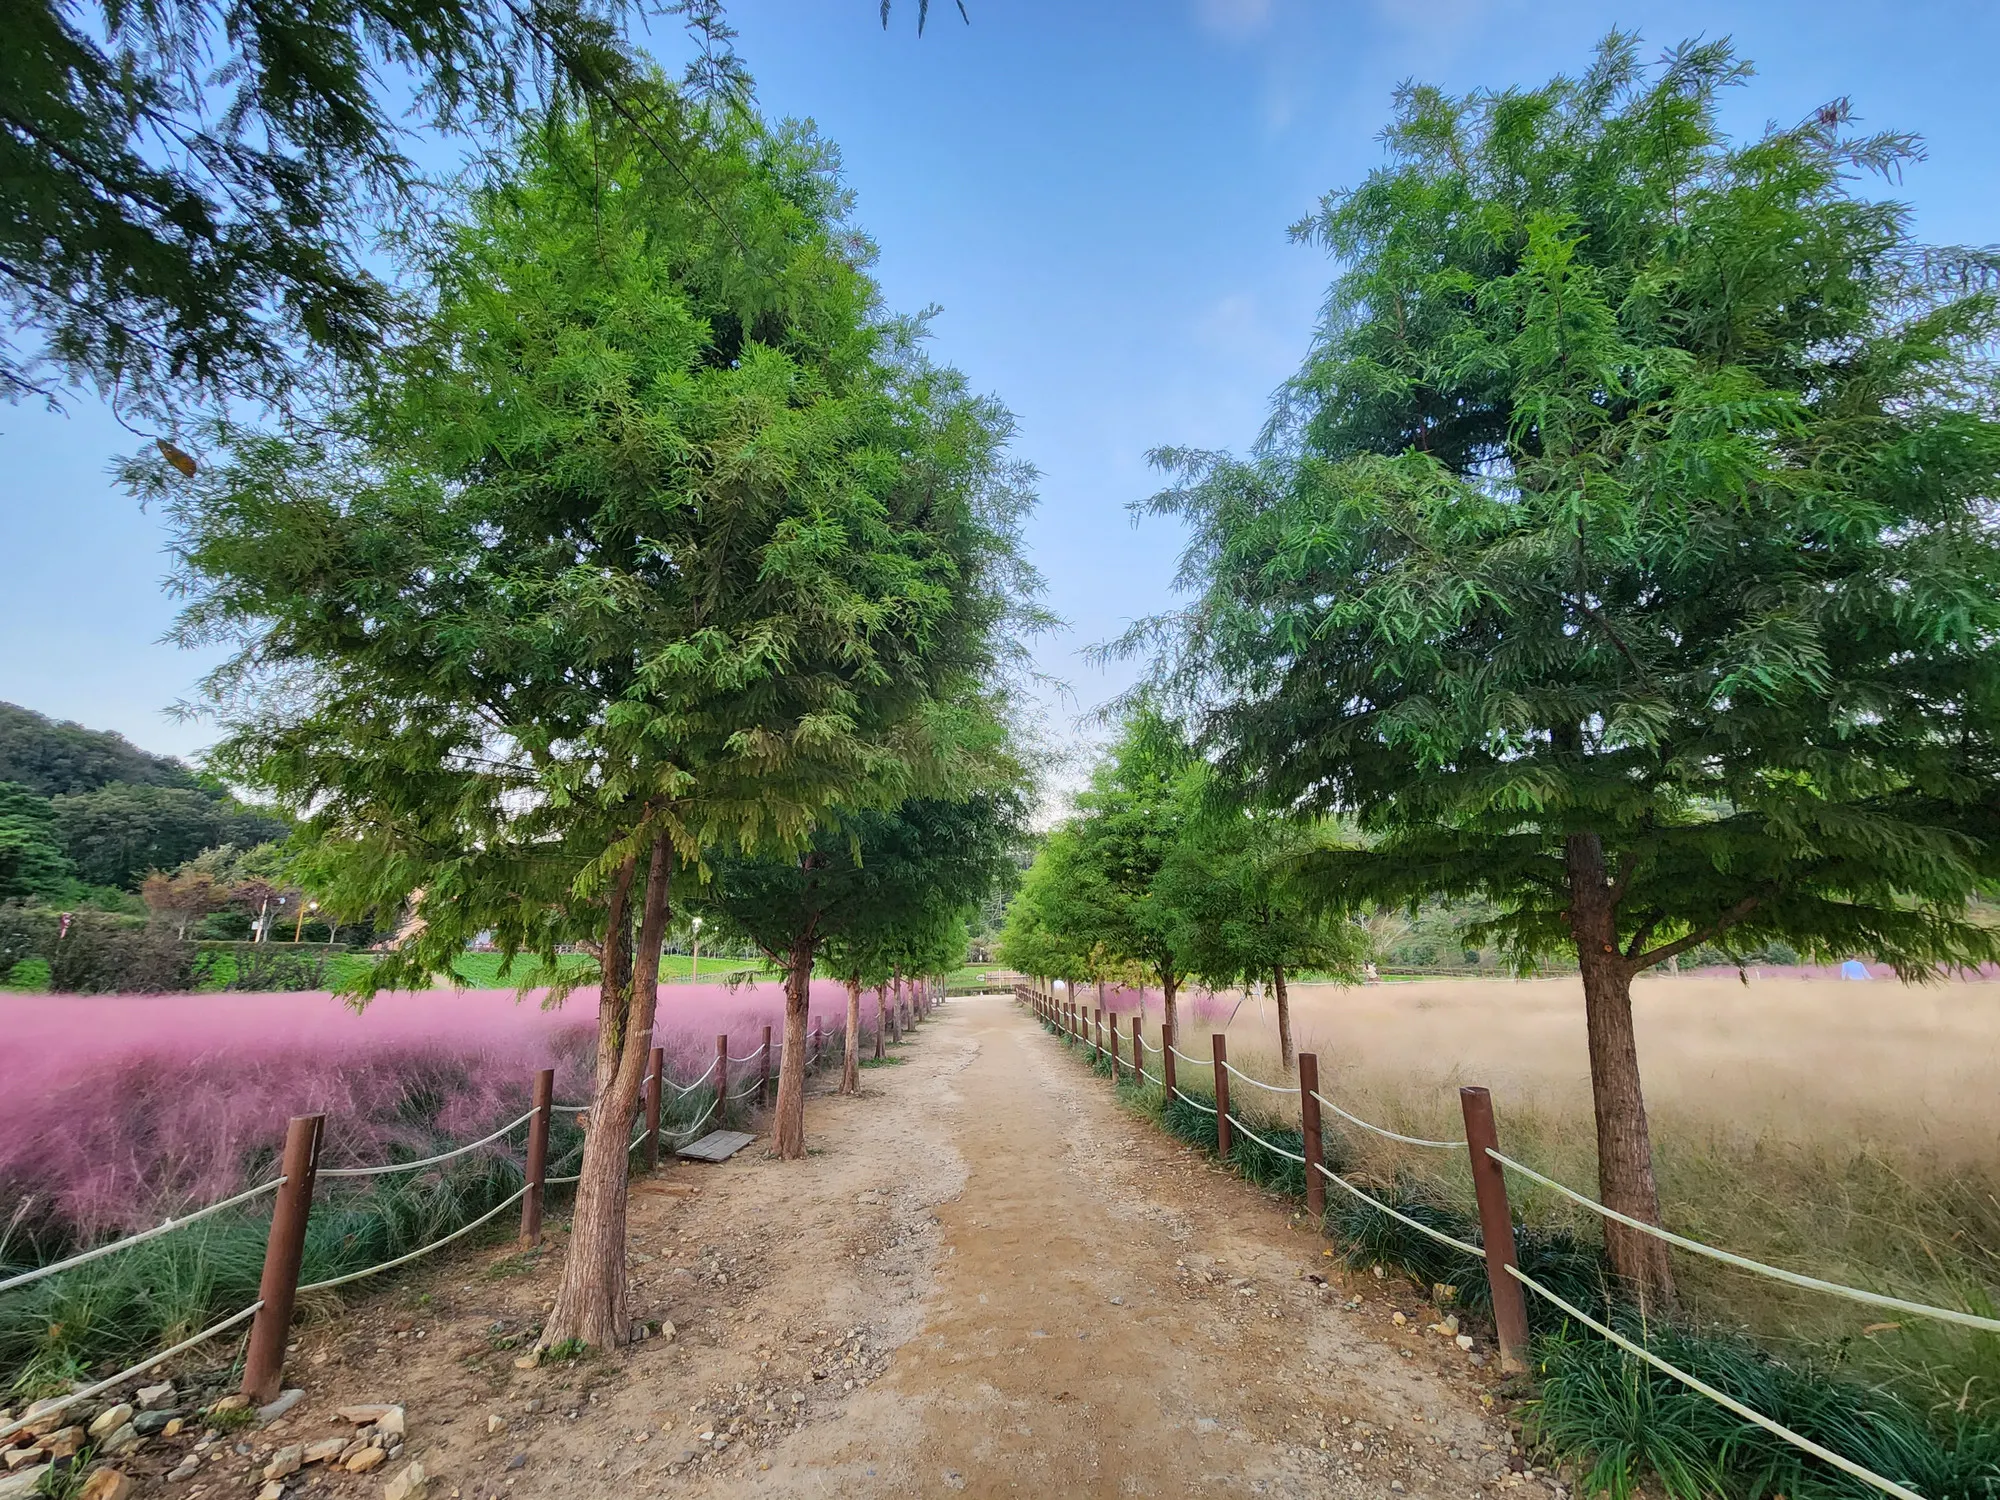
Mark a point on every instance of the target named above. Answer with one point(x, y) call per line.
point(986, 1279)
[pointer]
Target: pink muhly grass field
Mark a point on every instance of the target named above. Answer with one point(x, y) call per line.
point(120, 1109)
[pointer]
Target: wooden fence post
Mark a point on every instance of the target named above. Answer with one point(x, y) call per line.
point(284, 1249)
point(881, 1019)
point(1167, 1058)
point(1138, 1055)
point(1096, 1033)
point(538, 1156)
point(818, 1043)
point(1114, 1051)
point(764, 1071)
point(1309, 1127)
point(1496, 1228)
point(721, 1077)
point(656, 1082)
point(1221, 1095)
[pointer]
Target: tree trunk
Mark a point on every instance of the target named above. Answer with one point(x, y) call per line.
point(1167, 987)
point(850, 1052)
point(881, 1021)
point(591, 1303)
point(791, 1127)
point(1284, 1004)
point(1624, 1145)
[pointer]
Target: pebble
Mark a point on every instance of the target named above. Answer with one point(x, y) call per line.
point(185, 1469)
point(153, 1397)
point(274, 1489)
point(150, 1423)
point(285, 1462)
point(127, 1436)
point(408, 1485)
point(285, 1402)
point(361, 1416)
point(366, 1459)
point(518, 1461)
point(495, 1425)
point(1398, 1319)
point(106, 1484)
point(325, 1451)
point(1464, 1341)
point(23, 1483)
point(13, 1458)
point(391, 1421)
point(111, 1419)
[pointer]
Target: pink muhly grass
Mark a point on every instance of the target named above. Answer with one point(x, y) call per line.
point(124, 1109)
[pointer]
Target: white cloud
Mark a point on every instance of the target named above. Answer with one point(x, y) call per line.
point(1237, 20)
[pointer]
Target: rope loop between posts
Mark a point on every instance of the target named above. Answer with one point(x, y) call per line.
point(464, 1229)
point(429, 1161)
point(170, 1226)
point(1417, 1224)
point(1730, 1403)
point(1280, 1150)
point(1192, 1062)
point(1190, 1098)
point(1256, 1082)
point(139, 1369)
point(706, 1074)
point(1381, 1130)
point(1744, 1263)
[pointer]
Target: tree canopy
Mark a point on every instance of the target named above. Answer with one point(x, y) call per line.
point(662, 538)
point(1623, 550)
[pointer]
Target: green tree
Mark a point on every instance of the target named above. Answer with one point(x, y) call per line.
point(660, 539)
point(32, 862)
point(1238, 882)
point(189, 189)
point(1623, 552)
point(1131, 818)
point(118, 832)
point(871, 890)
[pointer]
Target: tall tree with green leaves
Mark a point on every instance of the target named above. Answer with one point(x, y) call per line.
point(32, 862)
point(870, 889)
point(1624, 551)
point(662, 538)
point(1239, 884)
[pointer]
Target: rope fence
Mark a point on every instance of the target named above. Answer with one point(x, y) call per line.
point(293, 1190)
point(1505, 1279)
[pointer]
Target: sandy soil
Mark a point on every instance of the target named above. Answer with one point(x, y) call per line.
point(987, 1279)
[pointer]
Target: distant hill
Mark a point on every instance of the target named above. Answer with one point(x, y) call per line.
point(87, 805)
point(55, 758)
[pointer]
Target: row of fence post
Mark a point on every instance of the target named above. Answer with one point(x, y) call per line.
point(1489, 1182)
point(284, 1248)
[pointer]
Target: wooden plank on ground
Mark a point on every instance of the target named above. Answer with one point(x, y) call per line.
point(717, 1145)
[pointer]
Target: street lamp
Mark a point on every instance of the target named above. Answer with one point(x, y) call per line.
point(694, 967)
point(299, 926)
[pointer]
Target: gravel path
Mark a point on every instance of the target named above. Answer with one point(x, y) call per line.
point(986, 1279)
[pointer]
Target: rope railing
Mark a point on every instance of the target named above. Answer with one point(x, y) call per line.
point(1720, 1398)
point(388, 1168)
point(1280, 1150)
point(1500, 1265)
point(169, 1227)
point(1258, 1082)
point(109, 1381)
point(1758, 1267)
point(706, 1074)
point(422, 1250)
point(1383, 1130)
point(1188, 1098)
point(1397, 1214)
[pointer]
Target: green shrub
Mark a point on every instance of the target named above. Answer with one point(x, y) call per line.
point(102, 954)
point(262, 968)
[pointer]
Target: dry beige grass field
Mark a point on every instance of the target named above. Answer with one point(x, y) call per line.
point(1842, 1128)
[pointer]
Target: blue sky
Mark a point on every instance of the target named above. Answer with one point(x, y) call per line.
point(1096, 195)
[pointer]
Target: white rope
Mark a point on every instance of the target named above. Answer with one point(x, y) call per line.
point(1776, 1429)
point(141, 1237)
point(428, 1161)
point(708, 1073)
point(332, 1281)
point(1193, 1062)
point(751, 1058)
point(1408, 1140)
point(1258, 1082)
point(139, 1369)
point(549, 1182)
point(1149, 1077)
point(568, 1109)
point(1190, 1098)
point(749, 1088)
point(1264, 1143)
point(1744, 1263)
point(1439, 1235)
